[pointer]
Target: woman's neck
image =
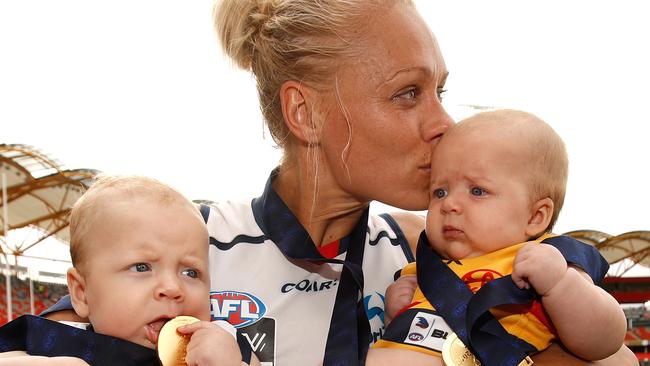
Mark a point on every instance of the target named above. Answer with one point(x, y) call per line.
point(324, 210)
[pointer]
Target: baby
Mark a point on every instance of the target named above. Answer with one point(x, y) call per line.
point(140, 258)
point(498, 181)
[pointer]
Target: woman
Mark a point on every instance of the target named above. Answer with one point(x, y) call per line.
point(351, 91)
point(355, 105)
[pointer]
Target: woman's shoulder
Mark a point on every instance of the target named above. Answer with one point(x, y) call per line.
point(228, 219)
point(223, 209)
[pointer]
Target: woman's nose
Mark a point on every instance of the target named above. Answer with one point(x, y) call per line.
point(436, 123)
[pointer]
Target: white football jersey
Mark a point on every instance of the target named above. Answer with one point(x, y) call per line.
point(283, 306)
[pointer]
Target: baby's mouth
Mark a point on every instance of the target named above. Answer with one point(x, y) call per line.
point(450, 232)
point(152, 330)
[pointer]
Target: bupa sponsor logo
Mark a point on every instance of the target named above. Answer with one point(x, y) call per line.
point(237, 308)
point(439, 333)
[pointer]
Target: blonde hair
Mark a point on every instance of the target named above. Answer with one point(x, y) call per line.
point(105, 189)
point(281, 40)
point(547, 163)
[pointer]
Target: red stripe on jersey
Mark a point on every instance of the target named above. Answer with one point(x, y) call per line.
point(407, 307)
point(539, 313)
point(330, 250)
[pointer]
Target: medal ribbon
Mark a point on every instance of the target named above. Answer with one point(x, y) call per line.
point(468, 314)
point(346, 344)
point(65, 304)
point(42, 337)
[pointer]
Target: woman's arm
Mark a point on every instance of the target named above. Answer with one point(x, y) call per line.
point(552, 356)
point(41, 361)
point(392, 357)
point(556, 355)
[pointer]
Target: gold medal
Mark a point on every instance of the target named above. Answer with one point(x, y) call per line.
point(455, 353)
point(172, 346)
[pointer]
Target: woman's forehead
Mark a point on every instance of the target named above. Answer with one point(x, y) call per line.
point(397, 42)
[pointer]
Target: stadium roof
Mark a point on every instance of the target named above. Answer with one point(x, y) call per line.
point(634, 246)
point(40, 193)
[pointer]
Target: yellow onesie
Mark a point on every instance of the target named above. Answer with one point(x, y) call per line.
point(418, 327)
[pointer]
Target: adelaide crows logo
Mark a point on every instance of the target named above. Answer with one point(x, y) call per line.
point(422, 323)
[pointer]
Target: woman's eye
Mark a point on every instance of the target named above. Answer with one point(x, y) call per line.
point(439, 193)
point(191, 273)
point(140, 267)
point(440, 93)
point(478, 191)
point(407, 94)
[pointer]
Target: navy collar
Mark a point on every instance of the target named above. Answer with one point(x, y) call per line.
point(346, 344)
point(280, 225)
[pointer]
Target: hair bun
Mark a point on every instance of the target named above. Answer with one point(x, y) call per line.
point(238, 24)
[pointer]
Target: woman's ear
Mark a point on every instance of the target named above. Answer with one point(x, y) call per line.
point(540, 217)
point(77, 290)
point(297, 110)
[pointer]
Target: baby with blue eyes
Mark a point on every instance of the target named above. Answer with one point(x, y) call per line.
point(498, 181)
point(140, 258)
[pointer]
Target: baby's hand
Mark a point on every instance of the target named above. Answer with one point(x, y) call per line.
point(540, 266)
point(210, 344)
point(398, 295)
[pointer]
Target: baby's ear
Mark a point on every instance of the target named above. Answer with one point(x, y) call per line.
point(77, 289)
point(540, 217)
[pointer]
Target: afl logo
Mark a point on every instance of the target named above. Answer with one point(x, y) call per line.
point(237, 308)
point(416, 337)
point(476, 279)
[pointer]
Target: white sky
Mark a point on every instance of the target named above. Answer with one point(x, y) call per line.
point(141, 87)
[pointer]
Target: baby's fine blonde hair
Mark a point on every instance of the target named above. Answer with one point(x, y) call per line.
point(103, 191)
point(547, 163)
point(282, 40)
